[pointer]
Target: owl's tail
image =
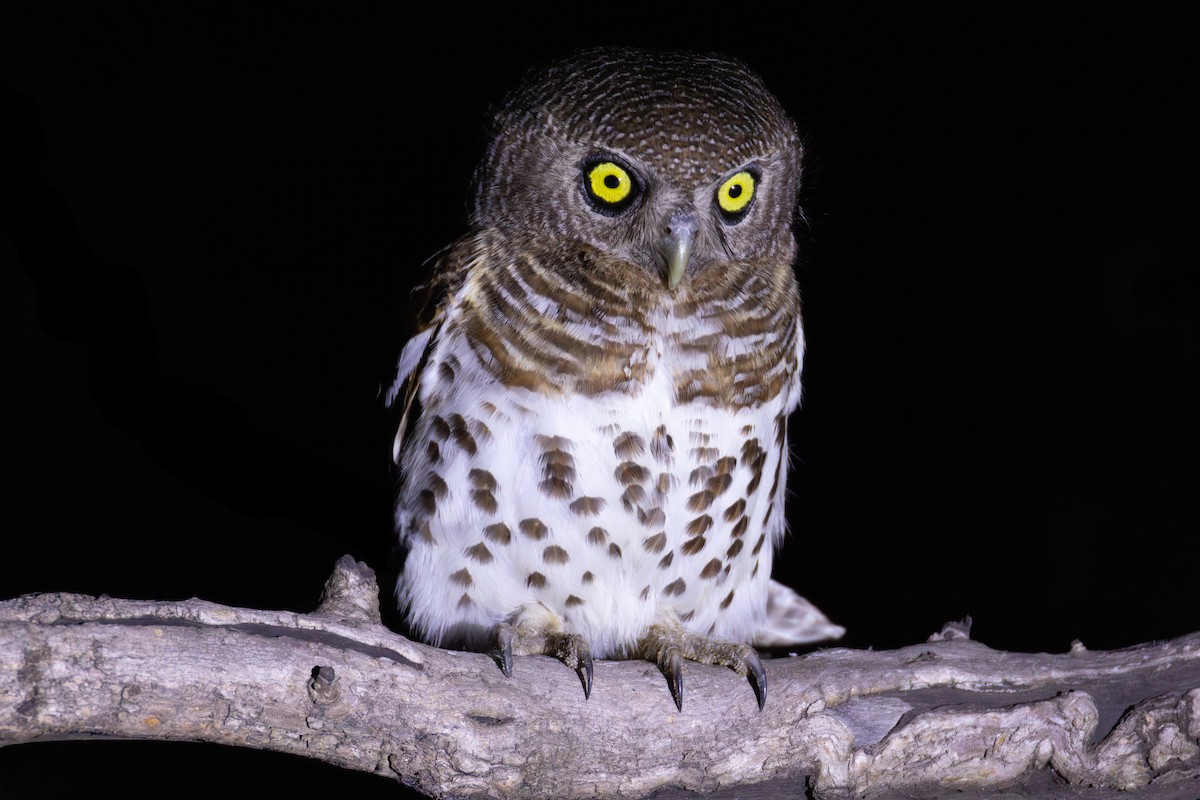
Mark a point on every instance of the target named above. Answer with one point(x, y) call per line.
point(792, 620)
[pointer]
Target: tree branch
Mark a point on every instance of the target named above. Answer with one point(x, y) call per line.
point(338, 686)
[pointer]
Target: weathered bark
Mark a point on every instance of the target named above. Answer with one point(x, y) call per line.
point(950, 714)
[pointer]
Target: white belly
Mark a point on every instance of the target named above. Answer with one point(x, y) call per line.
point(612, 511)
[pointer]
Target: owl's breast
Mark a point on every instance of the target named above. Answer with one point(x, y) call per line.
point(561, 318)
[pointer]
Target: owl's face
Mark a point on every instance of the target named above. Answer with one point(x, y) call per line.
point(673, 162)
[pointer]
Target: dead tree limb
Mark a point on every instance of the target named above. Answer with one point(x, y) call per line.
point(338, 686)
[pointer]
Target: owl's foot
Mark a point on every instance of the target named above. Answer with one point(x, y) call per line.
point(539, 632)
point(668, 646)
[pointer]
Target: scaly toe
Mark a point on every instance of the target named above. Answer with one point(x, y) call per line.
point(573, 650)
point(536, 630)
point(668, 645)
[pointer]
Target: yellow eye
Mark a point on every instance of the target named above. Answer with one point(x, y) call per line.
point(735, 194)
point(609, 183)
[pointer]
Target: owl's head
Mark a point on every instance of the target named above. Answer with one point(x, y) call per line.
point(671, 161)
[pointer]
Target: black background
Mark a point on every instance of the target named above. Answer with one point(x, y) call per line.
point(212, 215)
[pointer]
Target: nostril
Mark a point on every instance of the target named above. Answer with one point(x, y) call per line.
point(681, 222)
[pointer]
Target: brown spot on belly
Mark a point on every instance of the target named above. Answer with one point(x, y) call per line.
point(558, 470)
point(629, 445)
point(556, 488)
point(436, 485)
point(629, 473)
point(422, 531)
point(655, 543)
point(555, 555)
point(484, 500)
point(498, 533)
point(718, 484)
point(662, 446)
point(534, 528)
point(739, 527)
point(652, 518)
point(675, 587)
point(461, 435)
point(480, 431)
point(633, 497)
point(479, 552)
point(757, 467)
point(587, 506)
point(482, 479)
point(700, 501)
point(778, 472)
point(547, 443)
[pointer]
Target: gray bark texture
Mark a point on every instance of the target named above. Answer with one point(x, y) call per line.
point(947, 716)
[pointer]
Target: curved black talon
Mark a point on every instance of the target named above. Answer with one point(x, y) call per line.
point(758, 677)
point(574, 651)
point(674, 673)
point(504, 637)
point(585, 673)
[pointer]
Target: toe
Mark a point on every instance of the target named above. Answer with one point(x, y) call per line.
point(574, 651)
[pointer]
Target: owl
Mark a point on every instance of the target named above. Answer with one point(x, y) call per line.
point(593, 449)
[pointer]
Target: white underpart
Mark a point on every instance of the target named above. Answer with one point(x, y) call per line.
point(614, 613)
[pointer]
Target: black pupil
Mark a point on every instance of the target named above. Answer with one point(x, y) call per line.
point(735, 191)
point(612, 181)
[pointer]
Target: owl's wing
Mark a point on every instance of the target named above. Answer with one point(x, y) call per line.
point(450, 266)
point(792, 620)
point(408, 381)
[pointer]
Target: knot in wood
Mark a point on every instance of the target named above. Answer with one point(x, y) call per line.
point(322, 688)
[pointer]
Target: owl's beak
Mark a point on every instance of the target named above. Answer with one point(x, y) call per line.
point(677, 245)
